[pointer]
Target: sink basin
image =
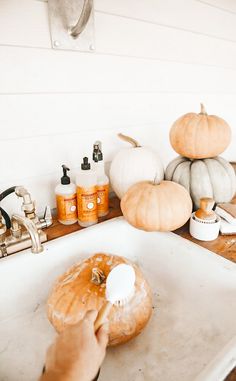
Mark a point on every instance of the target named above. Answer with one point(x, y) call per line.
point(191, 335)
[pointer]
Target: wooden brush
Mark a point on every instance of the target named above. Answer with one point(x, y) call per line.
point(205, 214)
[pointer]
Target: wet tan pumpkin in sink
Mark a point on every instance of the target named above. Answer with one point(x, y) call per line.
point(82, 288)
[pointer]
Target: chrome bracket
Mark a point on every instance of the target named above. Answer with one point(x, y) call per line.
point(72, 24)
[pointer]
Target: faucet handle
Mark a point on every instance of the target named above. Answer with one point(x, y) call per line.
point(46, 220)
point(28, 208)
point(28, 205)
point(3, 228)
point(16, 230)
point(47, 214)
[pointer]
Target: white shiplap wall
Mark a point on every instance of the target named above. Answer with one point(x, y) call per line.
point(154, 60)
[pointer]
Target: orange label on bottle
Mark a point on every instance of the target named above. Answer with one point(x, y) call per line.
point(103, 199)
point(66, 207)
point(87, 204)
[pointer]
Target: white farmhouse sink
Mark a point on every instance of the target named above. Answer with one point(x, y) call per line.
point(191, 333)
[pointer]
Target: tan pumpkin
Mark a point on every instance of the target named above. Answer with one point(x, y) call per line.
point(200, 136)
point(213, 178)
point(156, 207)
point(82, 288)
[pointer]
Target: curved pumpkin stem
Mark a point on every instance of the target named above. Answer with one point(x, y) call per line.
point(155, 181)
point(203, 110)
point(130, 140)
point(98, 276)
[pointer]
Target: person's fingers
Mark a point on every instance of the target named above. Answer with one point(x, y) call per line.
point(50, 357)
point(88, 322)
point(91, 316)
point(102, 335)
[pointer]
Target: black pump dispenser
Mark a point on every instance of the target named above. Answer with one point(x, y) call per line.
point(65, 179)
point(97, 153)
point(85, 165)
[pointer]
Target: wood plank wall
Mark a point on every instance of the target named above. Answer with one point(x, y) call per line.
point(154, 60)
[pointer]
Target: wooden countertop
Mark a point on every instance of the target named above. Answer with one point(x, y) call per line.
point(223, 245)
point(58, 230)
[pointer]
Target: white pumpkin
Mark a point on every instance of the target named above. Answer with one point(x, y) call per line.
point(132, 165)
point(213, 178)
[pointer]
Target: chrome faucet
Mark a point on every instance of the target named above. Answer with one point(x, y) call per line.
point(3, 230)
point(17, 222)
point(25, 231)
point(28, 206)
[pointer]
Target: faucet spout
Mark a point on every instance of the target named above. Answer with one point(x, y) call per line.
point(30, 226)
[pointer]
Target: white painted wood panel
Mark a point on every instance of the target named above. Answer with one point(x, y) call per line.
point(183, 14)
point(192, 15)
point(228, 5)
point(63, 114)
point(225, 5)
point(129, 37)
point(24, 22)
point(31, 116)
point(140, 39)
point(43, 71)
point(39, 155)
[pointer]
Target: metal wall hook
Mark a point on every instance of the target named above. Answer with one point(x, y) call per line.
point(76, 30)
point(72, 24)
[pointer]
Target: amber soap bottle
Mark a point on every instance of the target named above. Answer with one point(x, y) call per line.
point(86, 195)
point(66, 199)
point(102, 181)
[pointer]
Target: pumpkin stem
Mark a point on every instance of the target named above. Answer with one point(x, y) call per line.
point(155, 181)
point(203, 110)
point(130, 140)
point(98, 276)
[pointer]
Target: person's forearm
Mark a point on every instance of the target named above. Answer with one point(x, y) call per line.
point(77, 353)
point(58, 376)
point(54, 376)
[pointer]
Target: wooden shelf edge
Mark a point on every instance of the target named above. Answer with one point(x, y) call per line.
point(223, 245)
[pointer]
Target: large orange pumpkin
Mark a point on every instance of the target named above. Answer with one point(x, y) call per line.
point(82, 288)
point(200, 136)
point(154, 206)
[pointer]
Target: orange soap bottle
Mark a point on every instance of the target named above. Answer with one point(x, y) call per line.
point(102, 181)
point(66, 200)
point(86, 195)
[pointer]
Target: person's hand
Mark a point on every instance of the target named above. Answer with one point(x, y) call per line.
point(78, 352)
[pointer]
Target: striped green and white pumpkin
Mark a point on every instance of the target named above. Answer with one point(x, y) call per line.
point(213, 177)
